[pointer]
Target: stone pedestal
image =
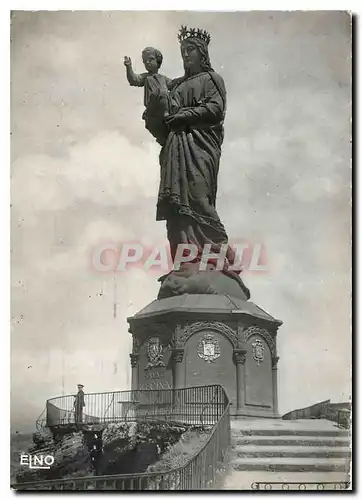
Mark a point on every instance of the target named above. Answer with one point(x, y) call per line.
point(201, 339)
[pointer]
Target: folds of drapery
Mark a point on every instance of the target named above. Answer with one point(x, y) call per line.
point(189, 163)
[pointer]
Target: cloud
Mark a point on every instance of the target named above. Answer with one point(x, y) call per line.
point(105, 170)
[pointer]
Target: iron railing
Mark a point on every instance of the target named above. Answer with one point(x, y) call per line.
point(193, 405)
point(336, 412)
point(197, 473)
point(344, 418)
point(41, 421)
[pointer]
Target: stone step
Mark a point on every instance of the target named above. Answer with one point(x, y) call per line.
point(289, 441)
point(271, 425)
point(291, 451)
point(290, 464)
point(291, 432)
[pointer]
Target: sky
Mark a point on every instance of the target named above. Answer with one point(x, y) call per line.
point(84, 171)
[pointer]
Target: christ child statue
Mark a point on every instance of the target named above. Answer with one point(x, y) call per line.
point(155, 84)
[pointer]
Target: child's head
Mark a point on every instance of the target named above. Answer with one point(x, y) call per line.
point(152, 59)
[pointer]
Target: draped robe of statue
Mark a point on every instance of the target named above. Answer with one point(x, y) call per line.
point(189, 162)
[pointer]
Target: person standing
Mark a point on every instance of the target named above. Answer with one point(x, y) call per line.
point(79, 403)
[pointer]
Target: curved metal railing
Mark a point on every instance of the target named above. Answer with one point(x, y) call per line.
point(40, 422)
point(194, 405)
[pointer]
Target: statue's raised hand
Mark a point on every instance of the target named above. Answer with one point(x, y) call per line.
point(127, 61)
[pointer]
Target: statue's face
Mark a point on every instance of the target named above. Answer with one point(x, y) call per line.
point(150, 61)
point(190, 55)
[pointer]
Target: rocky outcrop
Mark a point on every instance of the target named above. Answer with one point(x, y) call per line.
point(127, 448)
point(133, 447)
point(71, 457)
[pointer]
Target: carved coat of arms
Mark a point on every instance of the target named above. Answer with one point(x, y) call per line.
point(208, 348)
point(258, 351)
point(154, 351)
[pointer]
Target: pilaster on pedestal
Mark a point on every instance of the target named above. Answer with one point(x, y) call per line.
point(177, 355)
point(275, 360)
point(134, 359)
point(134, 364)
point(177, 358)
point(239, 357)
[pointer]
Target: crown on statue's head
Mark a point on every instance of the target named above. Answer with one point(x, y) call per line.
point(186, 33)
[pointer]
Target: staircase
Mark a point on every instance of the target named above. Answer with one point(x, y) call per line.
point(294, 451)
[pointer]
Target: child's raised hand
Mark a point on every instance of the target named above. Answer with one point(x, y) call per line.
point(127, 61)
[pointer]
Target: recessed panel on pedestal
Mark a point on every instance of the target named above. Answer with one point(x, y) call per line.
point(258, 374)
point(155, 371)
point(209, 360)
